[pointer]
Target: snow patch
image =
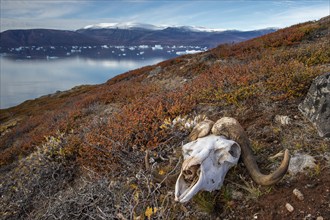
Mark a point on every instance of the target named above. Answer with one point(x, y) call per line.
point(124, 25)
point(136, 25)
point(157, 47)
point(188, 52)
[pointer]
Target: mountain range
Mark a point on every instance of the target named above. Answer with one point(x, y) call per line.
point(125, 34)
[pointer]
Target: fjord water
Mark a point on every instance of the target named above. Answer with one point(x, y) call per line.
point(26, 79)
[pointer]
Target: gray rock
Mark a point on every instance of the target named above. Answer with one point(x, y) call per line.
point(155, 71)
point(316, 106)
point(300, 162)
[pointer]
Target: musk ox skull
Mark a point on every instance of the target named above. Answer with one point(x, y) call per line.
point(206, 162)
point(207, 159)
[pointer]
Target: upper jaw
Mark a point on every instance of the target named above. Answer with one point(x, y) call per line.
point(186, 189)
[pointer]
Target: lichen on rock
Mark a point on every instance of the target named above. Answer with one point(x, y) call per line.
point(316, 106)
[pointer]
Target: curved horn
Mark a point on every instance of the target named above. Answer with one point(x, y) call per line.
point(231, 128)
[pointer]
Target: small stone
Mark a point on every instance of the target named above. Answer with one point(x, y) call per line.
point(319, 218)
point(236, 195)
point(112, 184)
point(298, 194)
point(310, 186)
point(308, 217)
point(282, 119)
point(151, 160)
point(289, 207)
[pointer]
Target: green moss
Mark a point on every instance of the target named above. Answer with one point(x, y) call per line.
point(206, 201)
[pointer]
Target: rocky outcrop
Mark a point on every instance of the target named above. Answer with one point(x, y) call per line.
point(316, 106)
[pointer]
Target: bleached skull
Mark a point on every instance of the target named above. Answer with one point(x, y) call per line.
point(206, 162)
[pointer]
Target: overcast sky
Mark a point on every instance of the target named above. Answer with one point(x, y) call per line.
point(221, 14)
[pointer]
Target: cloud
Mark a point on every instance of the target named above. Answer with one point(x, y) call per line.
point(57, 14)
point(75, 14)
point(293, 16)
point(60, 24)
point(35, 9)
point(303, 14)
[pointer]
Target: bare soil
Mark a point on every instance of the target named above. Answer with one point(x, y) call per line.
point(316, 203)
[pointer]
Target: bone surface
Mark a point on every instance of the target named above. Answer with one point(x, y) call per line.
point(206, 163)
point(201, 129)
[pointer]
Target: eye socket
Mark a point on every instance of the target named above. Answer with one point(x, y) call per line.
point(222, 153)
point(234, 150)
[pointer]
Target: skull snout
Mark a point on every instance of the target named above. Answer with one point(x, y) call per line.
point(206, 162)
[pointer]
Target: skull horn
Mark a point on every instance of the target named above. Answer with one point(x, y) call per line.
point(231, 128)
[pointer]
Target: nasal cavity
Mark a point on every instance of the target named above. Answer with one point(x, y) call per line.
point(191, 172)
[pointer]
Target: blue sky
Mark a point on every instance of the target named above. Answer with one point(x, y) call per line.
point(221, 14)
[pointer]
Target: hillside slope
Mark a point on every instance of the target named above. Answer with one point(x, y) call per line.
point(80, 154)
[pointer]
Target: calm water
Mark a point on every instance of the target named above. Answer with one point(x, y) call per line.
point(28, 79)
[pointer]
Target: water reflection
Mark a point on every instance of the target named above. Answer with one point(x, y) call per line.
point(29, 79)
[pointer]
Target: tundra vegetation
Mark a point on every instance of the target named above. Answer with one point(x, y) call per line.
point(80, 154)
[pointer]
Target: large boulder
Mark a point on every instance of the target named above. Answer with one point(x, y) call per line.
point(316, 106)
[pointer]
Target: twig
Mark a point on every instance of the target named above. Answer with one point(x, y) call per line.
point(167, 175)
point(98, 208)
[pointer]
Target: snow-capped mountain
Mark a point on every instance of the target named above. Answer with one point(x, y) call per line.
point(137, 34)
point(125, 34)
point(134, 25)
point(126, 25)
point(203, 29)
